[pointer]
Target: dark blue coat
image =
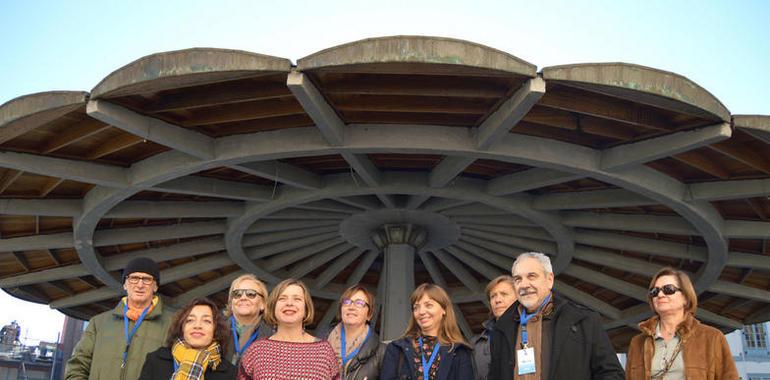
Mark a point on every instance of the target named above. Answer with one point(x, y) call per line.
point(455, 362)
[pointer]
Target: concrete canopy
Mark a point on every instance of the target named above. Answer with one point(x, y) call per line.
point(215, 162)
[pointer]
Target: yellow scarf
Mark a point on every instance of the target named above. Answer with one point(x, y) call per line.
point(191, 362)
point(134, 314)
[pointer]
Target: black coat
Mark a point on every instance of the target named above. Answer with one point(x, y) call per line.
point(455, 364)
point(580, 347)
point(366, 363)
point(159, 365)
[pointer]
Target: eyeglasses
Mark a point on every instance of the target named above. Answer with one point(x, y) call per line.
point(147, 280)
point(249, 293)
point(667, 289)
point(359, 303)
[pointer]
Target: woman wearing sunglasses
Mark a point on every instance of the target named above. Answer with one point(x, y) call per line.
point(245, 304)
point(357, 346)
point(673, 344)
point(432, 348)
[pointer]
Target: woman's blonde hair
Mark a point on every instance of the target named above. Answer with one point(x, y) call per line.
point(272, 300)
point(688, 291)
point(261, 290)
point(448, 332)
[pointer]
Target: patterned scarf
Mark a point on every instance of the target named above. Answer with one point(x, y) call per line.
point(192, 363)
point(133, 313)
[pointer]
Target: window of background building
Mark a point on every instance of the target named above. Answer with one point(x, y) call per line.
point(755, 337)
point(761, 376)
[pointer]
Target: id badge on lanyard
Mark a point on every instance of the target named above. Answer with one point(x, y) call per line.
point(525, 360)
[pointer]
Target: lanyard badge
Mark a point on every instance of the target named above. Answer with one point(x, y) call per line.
point(525, 357)
point(238, 349)
point(130, 335)
point(426, 365)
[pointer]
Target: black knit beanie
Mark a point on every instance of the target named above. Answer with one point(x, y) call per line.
point(144, 265)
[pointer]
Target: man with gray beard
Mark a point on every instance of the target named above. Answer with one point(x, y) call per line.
point(545, 336)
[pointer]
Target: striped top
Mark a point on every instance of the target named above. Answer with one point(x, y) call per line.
point(276, 360)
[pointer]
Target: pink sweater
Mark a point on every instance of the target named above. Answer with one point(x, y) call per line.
point(275, 360)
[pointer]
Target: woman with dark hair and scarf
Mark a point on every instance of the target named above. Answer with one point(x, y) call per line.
point(195, 346)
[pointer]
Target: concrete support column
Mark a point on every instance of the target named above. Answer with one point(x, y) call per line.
point(399, 283)
point(399, 243)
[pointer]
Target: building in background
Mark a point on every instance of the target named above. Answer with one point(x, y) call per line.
point(751, 352)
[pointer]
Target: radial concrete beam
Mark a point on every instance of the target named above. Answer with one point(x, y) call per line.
point(273, 237)
point(606, 281)
point(156, 130)
point(144, 234)
point(282, 172)
point(81, 171)
point(40, 207)
point(440, 204)
point(175, 209)
point(272, 249)
point(118, 262)
point(332, 128)
point(473, 210)
point(591, 199)
point(458, 270)
point(166, 276)
point(34, 242)
point(313, 262)
point(438, 279)
point(448, 169)
point(354, 279)
point(528, 180)
point(210, 287)
point(264, 226)
point(588, 300)
point(362, 202)
point(295, 213)
point(487, 270)
point(341, 263)
point(287, 258)
point(504, 263)
point(638, 153)
point(625, 222)
point(330, 205)
point(326, 120)
point(510, 113)
point(716, 191)
point(493, 220)
point(641, 245)
point(210, 187)
point(742, 229)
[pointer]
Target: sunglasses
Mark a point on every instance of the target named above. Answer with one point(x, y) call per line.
point(249, 293)
point(667, 289)
point(359, 303)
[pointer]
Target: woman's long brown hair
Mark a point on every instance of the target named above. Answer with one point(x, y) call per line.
point(448, 332)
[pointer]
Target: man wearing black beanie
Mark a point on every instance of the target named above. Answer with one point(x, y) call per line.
point(116, 342)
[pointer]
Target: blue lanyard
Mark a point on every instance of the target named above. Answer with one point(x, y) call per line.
point(426, 365)
point(238, 349)
point(346, 358)
point(525, 319)
point(130, 336)
point(176, 366)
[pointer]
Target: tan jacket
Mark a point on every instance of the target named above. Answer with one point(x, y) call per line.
point(705, 352)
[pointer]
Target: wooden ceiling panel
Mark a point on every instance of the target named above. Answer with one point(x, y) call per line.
point(255, 126)
point(488, 169)
point(415, 85)
point(453, 120)
point(320, 165)
point(405, 161)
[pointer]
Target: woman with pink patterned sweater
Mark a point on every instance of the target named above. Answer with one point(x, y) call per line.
point(290, 353)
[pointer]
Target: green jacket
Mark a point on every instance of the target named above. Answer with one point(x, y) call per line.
point(99, 354)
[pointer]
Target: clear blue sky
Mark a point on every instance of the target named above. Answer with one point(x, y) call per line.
point(722, 45)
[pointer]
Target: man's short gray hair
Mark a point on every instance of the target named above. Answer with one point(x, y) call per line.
point(544, 260)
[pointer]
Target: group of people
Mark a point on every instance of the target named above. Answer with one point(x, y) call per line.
point(533, 333)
